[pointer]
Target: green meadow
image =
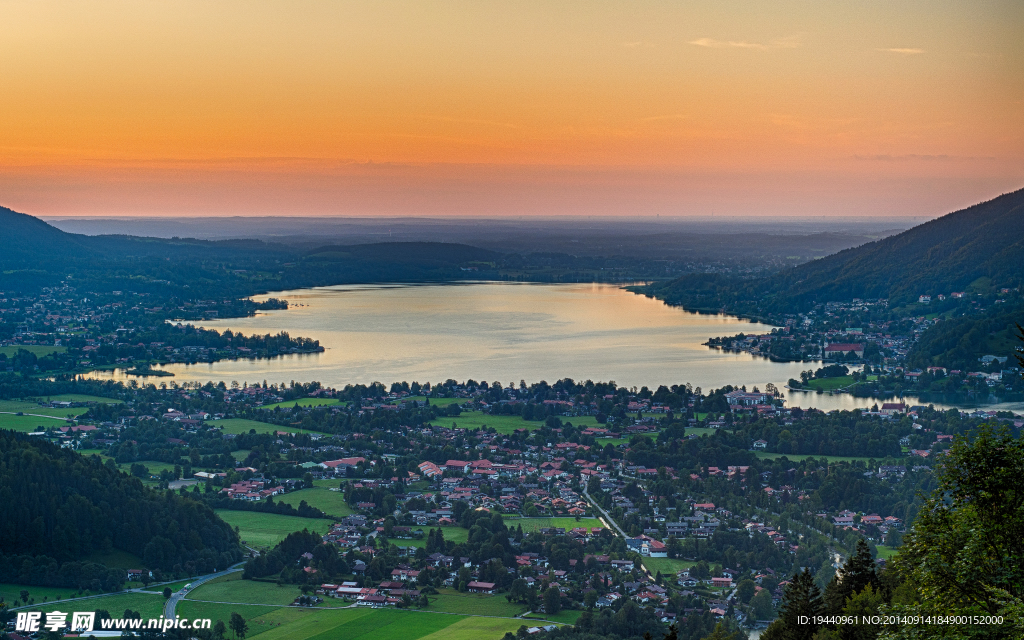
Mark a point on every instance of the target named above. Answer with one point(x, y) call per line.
point(764, 455)
point(38, 350)
point(535, 524)
point(504, 424)
point(330, 502)
point(267, 529)
point(304, 402)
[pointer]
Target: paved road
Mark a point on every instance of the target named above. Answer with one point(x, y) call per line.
point(177, 596)
point(608, 521)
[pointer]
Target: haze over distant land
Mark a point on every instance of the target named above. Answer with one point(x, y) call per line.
point(527, 109)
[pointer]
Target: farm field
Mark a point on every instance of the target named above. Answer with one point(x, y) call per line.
point(474, 604)
point(667, 565)
point(217, 611)
point(764, 455)
point(455, 534)
point(241, 425)
point(149, 605)
point(322, 498)
point(231, 588)
point(477, 629)
point(304, 402)
point(350, 624)
point(504, 424)
point(80, 397)
point(34, 408)
point(28, 424)
point(565, 616)
point(533, 524)
point(38, 350)
point(267, 529)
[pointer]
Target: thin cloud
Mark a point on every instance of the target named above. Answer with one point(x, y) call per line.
point(789, 42)
point(907, 51)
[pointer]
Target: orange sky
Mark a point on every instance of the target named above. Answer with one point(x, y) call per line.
point(509, 108)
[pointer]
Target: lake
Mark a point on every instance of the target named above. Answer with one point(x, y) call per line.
point(503, 332)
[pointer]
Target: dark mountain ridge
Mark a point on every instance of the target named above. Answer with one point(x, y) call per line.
point(982, 245)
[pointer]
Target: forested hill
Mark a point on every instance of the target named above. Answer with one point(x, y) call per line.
point(943, 255)
point(59, 507)
point(981, 245)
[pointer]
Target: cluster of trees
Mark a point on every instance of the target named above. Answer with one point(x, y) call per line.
point(60, 504)
point(964, 556)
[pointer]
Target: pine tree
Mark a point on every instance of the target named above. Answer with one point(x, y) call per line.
point(801, 601)
point(856, 573)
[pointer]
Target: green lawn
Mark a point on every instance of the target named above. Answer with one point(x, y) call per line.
point(241, 425)
point(79, 397)
point(436, 402)
point(232, 588)
point(322, 498)
point(475, 604)
point(829, 384)
point(534, 524)
point(33, 407)
point(477, 629)
point(267, 529)
point(886, 552)
point(38, 350)
point(10, 592)
point(565, 616)
point(360, 623)
point(701, 431)
point(612, 441)
point(504, 424)
point(28, 424)
point(455, 534)
point(304, 402)
point(796, 457)
point(666, 565)
point(148, 605)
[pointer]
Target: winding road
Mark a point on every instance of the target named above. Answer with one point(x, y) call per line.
point(178, 595)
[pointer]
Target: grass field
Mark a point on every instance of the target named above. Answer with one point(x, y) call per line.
point(33, 407)
point(533, 524)
point(216, 611)
point(474, 604)
point(304, 402)
point(504, 424)
point(764, 455)
point(455, 534)
point(10, 592)
point(322, 498)
point(829, 384)
point(231, 588)
point(612, 441)
point(28, 424)
point(350, 624)
point(565, 616)
point(476, 629)
point(241, 425)
point(38, 350)
point(267, 529)
point(79, 397)
point(886, 552)
point(149, 605)
point(667, 565)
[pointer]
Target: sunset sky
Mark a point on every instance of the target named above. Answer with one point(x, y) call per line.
point(509, 108)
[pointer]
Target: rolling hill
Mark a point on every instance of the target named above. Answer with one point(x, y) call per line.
point(981, 246)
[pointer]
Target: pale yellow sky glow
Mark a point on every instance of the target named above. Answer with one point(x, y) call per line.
point(528, 108)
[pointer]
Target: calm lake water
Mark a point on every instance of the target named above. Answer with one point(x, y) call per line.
point(500, 332)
